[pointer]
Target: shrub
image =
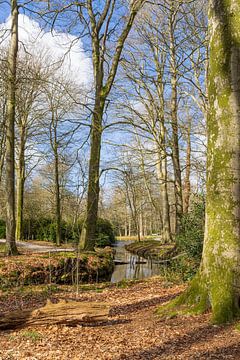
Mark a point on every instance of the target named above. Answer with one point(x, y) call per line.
point(103, 240)
point(45, 229)
point(190, 238)
point(2, 229)
point(105, 232)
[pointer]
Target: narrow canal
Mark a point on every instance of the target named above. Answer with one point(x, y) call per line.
point(129, 266)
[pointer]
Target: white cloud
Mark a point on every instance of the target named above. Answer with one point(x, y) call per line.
point(59, 45)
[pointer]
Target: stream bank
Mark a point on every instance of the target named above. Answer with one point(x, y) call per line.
point(152, 249)
point(56, 268)
point(133, 262)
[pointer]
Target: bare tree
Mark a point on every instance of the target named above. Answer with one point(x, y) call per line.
point(11, 248)
point(101, 28)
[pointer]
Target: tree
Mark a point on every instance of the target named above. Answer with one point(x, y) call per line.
point(217, 284)
point(59, 101)
point(11, 248)
point(100, 31)
point(30, 78)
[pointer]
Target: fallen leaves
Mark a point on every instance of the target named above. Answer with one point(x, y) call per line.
point(132, 332)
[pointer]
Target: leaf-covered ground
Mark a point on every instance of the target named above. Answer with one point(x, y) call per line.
point(132, 332)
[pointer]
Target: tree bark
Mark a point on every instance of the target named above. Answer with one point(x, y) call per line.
point(20, 185)
point(174, 119)
point(88, 234)
point(11, 248)
point(67, 313)
point(57, 188)
point(162, 177)
point(217, 286)
point(3, 141)
point(187, 184)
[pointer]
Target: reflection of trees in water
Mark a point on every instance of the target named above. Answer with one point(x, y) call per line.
point(137, 271)
point(135, 268)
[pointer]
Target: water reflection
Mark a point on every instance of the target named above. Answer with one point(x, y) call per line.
point(134, 267)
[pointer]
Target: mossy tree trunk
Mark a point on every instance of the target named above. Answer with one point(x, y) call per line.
point(88, 235)
point(11, 248)
point(217, 286)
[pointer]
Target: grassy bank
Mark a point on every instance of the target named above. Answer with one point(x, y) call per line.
point(135, 238)
point(151, 249)
point(55, 268)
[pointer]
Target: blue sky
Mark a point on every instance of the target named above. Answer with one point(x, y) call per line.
point(4, 11)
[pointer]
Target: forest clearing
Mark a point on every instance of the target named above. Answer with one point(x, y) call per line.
point(119, 179)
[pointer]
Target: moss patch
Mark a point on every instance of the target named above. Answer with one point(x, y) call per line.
point(193, 301)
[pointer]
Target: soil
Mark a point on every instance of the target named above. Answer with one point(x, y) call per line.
point(133, 330)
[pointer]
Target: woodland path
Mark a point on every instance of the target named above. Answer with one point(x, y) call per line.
point(35, 248)
point(132, 332)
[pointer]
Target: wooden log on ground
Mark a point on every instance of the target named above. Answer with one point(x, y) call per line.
point(65, 312)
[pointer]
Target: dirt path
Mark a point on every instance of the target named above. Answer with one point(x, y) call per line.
point(132, 332)
point(31, 247)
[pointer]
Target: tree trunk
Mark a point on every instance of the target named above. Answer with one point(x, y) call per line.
point(102, 90)
point(3, 141)
point(57, 194)
point(218, 283)
point(11, 248)
point(67, 313)
point(126, 226)
point(88, 234)
point(162, 177)
point(129, 226)
point(174, 119)
point(187, 184)
point(20, 186)
point(141, 231)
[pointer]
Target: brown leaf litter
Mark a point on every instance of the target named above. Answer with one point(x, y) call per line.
point(132, 332)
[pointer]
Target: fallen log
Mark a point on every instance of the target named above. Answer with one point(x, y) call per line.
point(65, 312)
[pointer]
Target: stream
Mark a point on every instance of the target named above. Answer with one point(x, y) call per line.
point(131, 267)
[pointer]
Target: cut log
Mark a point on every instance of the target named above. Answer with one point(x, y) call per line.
point(69, 313)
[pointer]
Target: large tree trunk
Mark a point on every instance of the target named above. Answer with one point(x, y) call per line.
point(218, 283)
point(67, 313)
point(11, 248)
point(88, 234)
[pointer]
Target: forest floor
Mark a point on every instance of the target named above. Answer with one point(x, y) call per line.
point(133, 331)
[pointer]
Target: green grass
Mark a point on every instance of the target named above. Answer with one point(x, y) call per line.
point(32, 335)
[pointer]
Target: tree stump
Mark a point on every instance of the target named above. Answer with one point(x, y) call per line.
point(65, 312)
